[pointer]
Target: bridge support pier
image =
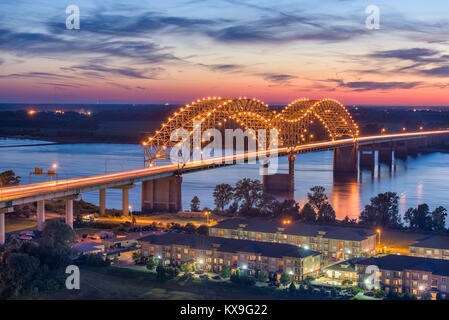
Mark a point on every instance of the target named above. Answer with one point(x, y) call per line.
point(125, 198)
point(3, 212)
point(40, 215)
point(412, 148)
point(367, 158)
point(291, 176)
point(163, 195)
point(346, 160)
point(2, 226)
point(400, 151)
point(102, 202)
point(386, 155)
point(281, 184)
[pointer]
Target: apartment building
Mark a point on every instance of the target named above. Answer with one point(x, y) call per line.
point(435, 247)
point(211, 253)
point(406, 274)
point(334, 242)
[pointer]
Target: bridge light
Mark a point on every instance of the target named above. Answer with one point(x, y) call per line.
point(404, 128)
point(421, 127)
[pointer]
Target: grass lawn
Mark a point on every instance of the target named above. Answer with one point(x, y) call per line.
point(124, 283)
point(162, 217)
point(13, 224)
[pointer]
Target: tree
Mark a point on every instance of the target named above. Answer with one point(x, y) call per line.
point(223, 194)
point(285, 279)
point(262, 276)
point(9, 178)
point(225, 271)
point(317, 197)
point(382, 211)
point(439, 219)
point(292, 289)
point(137, 257)
point(56, 242)
point(419, 218)
point(287, 208)
point(248, 191)
point(18, 275)
point(195, 204)
point(203, 229)
point(308, 214)
point(151, 263)
point(326, 214)
point(186, 267)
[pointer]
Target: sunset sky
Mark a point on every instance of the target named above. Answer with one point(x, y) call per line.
point(176, 51)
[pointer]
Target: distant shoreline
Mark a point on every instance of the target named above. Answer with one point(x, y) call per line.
point(66, 140)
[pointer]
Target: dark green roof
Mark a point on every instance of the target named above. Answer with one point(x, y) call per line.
point(400, 263)
point(435, 242)
point(202, 242)
point(297, 228)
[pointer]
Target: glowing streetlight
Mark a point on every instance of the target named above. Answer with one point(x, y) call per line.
point(207, 214)
point(378, 232)
point(383, 130)
point(404, 128)
point(54, 166)
point(421, 128)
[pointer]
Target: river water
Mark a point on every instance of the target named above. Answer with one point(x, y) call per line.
point(423, 179)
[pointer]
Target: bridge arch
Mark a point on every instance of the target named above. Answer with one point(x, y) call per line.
point(293, 122)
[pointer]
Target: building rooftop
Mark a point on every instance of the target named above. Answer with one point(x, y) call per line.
point(400, 263)
point(345, 266)
point(88, 246)
point(297, 228)
point(202, 242)
point(436, 242)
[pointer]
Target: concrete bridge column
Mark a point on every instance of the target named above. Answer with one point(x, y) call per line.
point(125, 198)
point(163, 195)
point(400, 151)
point(291, 176)
point(346, 160)
point(69, 212)
point(367, 158)
point(102, 202)
point(2, 226)
point(386, 155)
point(412, 148)
point(3, 212)
point(40, 215)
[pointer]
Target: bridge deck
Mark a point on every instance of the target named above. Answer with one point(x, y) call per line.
point(60, 188)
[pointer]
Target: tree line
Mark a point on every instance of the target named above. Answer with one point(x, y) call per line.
point(248, 199)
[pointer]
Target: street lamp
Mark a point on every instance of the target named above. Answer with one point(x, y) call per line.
point(378, 232)
point(207, 214)
point(383, 130)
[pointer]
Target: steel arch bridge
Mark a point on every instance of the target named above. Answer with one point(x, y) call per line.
point(295, 122)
